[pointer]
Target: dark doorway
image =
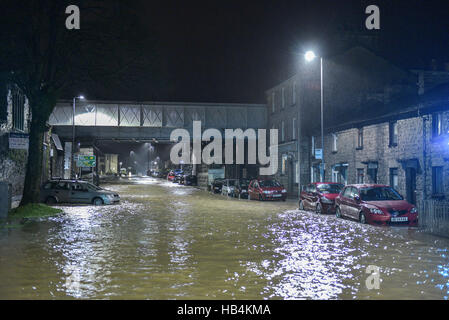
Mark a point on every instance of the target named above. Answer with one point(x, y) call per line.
point(410, 184)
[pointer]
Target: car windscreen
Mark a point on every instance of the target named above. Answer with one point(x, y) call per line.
point(269, 183)
point(379, 194)
point(329, 188)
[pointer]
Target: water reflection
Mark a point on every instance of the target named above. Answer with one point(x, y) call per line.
point(166, 242)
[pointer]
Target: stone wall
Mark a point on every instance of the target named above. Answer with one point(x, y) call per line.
point(13, 162)
point(415, 142)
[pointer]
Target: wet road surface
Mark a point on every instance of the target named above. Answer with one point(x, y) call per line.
point(166, 241)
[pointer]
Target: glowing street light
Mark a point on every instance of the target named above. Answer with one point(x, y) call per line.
point(310, 56)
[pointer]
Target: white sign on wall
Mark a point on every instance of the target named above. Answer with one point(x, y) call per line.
point(18, 141)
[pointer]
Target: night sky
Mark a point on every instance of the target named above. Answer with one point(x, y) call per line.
point(232, 51)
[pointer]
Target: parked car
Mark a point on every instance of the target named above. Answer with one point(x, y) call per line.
point(179, 178)
point(320, 197)
point(217, 184)
point(171, 176)
point(227, 188)
point(241, 188)
point(266, 190)
point(190, 180)
point(75, 191)
point(375, 204)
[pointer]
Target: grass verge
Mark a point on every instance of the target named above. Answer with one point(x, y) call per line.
point(34, 210)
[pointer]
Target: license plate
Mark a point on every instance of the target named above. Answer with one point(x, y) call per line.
point(399, 219)
point(277, 195)
point(243, 190)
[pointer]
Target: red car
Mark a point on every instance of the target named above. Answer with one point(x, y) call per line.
point(320, 197)
point(266, 190)
point(375, 204)
point(171, 176)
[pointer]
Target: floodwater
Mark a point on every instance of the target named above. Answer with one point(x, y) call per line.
point(166, 241)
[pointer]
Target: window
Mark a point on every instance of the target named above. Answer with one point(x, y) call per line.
point(282, 131)
point(437, 180)
point(334, 142)
point(360, 176)
point(394, 178)
point(297, 172)
point(294, 129)
point(360, 138)
point(273, 104)
point(18, 109)
point(284, 164)
point(437, 128)
point(294, 93)
point(283, 98)
point(393, 129)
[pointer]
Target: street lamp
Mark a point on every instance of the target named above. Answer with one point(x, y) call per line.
point(310, 56)
point(80, 97)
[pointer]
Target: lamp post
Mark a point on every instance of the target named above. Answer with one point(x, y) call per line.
point(310, 56)
point(81, 97)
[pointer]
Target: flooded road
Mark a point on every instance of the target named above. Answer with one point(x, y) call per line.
point(166, 241)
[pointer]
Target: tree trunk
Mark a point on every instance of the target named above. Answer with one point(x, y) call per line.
point(31, 190)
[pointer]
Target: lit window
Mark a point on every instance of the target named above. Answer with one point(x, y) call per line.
point(334, 142)
point(360, 138)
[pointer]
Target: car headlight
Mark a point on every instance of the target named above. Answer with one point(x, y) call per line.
point(326, 200)
point(414, 210)
point(375, 211)
point(266, 192)
point(284, 191)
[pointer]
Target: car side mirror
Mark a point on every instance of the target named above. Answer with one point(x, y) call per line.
point(357, 199)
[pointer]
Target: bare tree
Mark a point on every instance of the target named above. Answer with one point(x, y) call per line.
point(43, 58)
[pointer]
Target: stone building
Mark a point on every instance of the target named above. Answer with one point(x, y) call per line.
point(14, 127)
point(407, 149)
point(356, 84)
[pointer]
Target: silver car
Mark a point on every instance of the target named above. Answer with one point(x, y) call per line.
point(73, 191)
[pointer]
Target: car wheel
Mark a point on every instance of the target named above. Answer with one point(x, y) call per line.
point(50, 201)
point(319, 209)
point(301, 205)
point(97, 202)
point(338, 213)
point(260, 197)
point(362, 218)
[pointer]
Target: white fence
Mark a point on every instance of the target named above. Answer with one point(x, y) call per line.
point(434, 217)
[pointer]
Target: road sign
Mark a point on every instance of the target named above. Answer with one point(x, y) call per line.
point(86, 161)
point(18, 141)
point(318, 153)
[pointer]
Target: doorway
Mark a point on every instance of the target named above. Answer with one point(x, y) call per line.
point(410, 184)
